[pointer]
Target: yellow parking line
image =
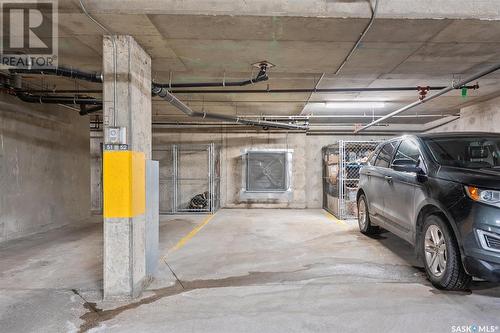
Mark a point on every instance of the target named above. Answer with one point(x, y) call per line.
point(190, 235)
point(332, 217)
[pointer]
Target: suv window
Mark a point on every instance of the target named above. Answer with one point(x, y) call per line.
point(384, 158)
point(373, 156)
point(407, 154)
point(476, 152)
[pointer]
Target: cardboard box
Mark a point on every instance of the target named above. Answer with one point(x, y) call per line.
point(333, 159)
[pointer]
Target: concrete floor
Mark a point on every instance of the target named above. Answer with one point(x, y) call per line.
point(244, 271)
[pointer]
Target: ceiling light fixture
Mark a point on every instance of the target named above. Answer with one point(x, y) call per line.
point(355, 105)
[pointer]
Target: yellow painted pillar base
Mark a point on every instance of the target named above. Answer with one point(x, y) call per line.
point(124, 184)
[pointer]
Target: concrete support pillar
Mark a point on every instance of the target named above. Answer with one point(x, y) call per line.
point(124, 159)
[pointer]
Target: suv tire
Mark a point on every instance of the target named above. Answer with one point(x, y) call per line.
point(441, 256)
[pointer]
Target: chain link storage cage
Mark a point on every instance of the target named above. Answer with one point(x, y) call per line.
point(341, 164)
point(189, 178)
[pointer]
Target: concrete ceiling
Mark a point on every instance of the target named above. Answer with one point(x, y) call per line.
point(193, 47)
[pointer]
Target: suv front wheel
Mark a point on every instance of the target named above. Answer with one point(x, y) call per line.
point(441, 256)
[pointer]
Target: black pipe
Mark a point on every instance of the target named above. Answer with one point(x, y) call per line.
point(61, 71)
point(29, 98)
point(332, 90)
point(307, 90)
point(64, 91)
point(84, 110)
point(261, 76)
point(98, 77)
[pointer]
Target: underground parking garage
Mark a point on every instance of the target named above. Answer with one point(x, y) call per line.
point(250, 166)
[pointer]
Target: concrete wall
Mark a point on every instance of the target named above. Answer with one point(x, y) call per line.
point(306, 164)
point(96, 172)
point(481, 117)
point(44, 168)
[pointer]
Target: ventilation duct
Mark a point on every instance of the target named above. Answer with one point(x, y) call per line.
point(167, 96)
point(267, 174)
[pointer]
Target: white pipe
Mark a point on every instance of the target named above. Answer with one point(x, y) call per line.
point(441, 92)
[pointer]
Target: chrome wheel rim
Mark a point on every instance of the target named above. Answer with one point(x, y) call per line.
point(362, 214)
point(435, 250)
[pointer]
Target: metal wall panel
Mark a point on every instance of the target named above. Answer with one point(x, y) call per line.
point(152, 216)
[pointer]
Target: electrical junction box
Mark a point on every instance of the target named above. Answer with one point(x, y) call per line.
point(115, 135)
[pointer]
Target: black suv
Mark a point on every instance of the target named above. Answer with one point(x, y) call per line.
point(441, 193)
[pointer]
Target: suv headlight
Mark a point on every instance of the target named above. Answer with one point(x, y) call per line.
point(489, 197)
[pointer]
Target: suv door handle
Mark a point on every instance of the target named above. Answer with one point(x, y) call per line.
point(388, 178)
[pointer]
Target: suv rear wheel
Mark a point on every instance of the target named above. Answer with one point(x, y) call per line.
point(441, 255)
point(364, 222)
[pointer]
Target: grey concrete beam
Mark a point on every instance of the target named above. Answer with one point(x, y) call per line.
point(458, 9)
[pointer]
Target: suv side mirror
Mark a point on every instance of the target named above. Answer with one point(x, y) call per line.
point(407, 165)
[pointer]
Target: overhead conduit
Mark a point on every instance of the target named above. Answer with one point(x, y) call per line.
point(41, 99)
point(161, 90)
point(270, 91)
point(169, 97)
point(261, 76)
point(158, 89)
point(61, 71)
point(308, 90)
point(13, 87)
point(361, 37)
point(82, 102)
point(97, 77)
point(443, 91)
point(85, 110)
